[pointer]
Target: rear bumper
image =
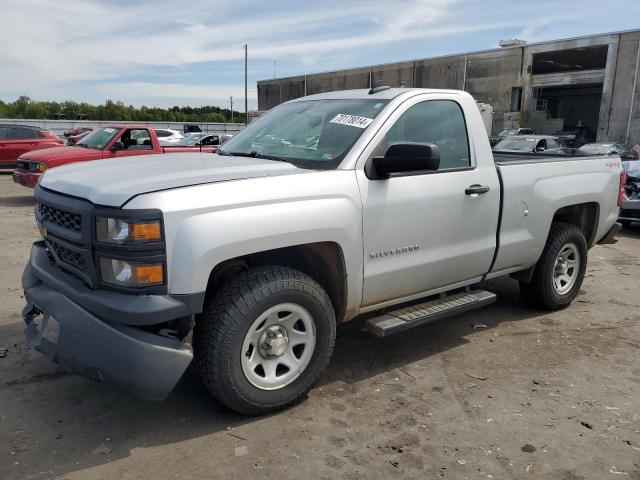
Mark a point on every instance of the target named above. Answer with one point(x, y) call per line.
point(630, 210)
point(142, 364)
point(26, 179)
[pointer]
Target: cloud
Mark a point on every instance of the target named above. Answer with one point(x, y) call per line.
point(90, 49)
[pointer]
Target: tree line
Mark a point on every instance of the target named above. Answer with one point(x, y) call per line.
point(24, 107)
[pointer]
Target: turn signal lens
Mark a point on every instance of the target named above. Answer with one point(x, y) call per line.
point(148, 274)
point(117, 230)
point(145, 231)
point(130, 274)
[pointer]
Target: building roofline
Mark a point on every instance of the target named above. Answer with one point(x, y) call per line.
point(459, 54)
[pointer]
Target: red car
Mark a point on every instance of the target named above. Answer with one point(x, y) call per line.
point(103, 143)
point(76, 131)
point(18, 139)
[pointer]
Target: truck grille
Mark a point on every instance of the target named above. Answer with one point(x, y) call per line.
point(62, 218)
point(67, 255)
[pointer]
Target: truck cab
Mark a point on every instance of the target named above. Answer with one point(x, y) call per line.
point(385, 202)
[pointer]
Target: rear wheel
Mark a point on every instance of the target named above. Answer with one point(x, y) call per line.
point(560, 270)
point(264, 339)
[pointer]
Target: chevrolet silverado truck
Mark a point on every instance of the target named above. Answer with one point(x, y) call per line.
point(112, 141)
point(385, 202)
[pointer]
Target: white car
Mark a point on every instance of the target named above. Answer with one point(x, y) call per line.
point(168, 135)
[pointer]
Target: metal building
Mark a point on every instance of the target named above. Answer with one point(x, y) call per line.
point(591, 80)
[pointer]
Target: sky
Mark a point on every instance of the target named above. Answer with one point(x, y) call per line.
point(165, 53)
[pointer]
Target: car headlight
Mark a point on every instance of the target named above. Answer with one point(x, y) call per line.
point(40, 167)
point(119, 231)
point(126, 273)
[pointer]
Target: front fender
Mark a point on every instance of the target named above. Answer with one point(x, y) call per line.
point(209, 224)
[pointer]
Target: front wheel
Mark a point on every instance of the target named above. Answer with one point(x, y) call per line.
point(559, 272)
point(264, 339)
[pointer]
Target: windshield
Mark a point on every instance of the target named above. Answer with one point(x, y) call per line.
point(595, 148)
point(309, 134)
point(99, 138)
point(516, 143)
point(507, 133)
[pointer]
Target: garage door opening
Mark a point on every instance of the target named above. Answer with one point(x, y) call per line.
point(571, 111)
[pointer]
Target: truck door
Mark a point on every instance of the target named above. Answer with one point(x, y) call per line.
point(17, 141)
point(425, 232)
point(134, 141)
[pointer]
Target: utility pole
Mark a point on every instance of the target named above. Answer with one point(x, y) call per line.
point(231, 98)
point(246, 110)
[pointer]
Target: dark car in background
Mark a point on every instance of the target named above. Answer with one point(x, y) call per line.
point(18, 139)
point(531, 144)
point(510, 132)
point(576, 135)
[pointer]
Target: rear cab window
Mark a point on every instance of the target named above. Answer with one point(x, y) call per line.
point(136, 139)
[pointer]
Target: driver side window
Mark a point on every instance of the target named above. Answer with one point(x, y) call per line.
point(440, 122)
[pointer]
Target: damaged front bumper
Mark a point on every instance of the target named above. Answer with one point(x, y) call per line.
point(141, 363)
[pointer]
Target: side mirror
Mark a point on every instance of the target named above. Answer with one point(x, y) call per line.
point(117, 146)
point(540, 149)
point(405, 158)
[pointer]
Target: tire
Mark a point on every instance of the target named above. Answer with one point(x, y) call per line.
point(546, 289)
point(625, 223)
point(231, 319)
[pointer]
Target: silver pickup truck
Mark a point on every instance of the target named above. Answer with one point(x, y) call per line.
point(384, 201)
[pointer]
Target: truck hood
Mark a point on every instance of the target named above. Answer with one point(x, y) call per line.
point(52, 157)
point(113, 182)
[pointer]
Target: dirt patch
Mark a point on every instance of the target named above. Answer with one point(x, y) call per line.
point(406, 408)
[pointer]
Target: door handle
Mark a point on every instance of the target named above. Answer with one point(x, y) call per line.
point(476, 189)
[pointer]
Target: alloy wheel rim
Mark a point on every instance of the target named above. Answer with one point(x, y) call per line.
point(565, 268)
point(278, 346)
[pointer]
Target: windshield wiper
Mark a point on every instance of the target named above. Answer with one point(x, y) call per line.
point(224, 153)
point(252, 154)
point(268, 157)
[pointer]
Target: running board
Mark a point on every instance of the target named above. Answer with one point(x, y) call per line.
point(402, 319)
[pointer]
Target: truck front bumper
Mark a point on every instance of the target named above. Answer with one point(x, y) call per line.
point(142, 364)
point(26, 179)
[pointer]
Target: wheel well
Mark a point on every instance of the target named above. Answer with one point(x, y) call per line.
point(322, 261)
point(583, 215)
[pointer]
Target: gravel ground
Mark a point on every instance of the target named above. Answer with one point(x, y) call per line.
point(534, 395)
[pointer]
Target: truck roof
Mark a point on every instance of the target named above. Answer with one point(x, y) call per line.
point(363, 93)
point(127, 125)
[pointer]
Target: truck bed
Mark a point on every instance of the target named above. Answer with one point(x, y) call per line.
point(536, 186)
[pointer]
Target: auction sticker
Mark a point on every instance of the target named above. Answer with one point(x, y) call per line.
point(352, 120)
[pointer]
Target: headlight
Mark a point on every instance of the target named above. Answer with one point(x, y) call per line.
point(40, 167)
point(126, 273)
point(118, 231)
